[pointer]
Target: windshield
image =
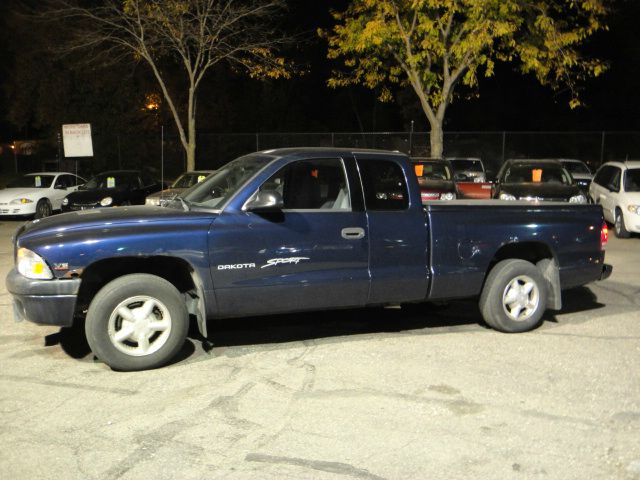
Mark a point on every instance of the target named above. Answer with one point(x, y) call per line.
point(466, 165)
point(576, 167)
point(223, 184)
point(432, 171)
point(632, 180)
point(537, 174)
point(189, 179)
point(112, 180)
point(32, 181)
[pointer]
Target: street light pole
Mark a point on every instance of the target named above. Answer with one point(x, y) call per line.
point(15, 156)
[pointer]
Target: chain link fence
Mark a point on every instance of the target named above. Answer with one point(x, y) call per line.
point(163, 154)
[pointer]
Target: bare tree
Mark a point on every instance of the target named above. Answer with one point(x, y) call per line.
point(199, 34)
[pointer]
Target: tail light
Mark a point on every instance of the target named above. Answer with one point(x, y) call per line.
point(604, 235)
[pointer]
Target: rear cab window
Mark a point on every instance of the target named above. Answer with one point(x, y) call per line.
point(384, 184)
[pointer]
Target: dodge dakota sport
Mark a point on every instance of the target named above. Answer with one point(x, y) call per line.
point(294, 230)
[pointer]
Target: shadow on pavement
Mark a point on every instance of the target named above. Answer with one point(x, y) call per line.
point(327, 324)
point(431, 318)
point(580, 299)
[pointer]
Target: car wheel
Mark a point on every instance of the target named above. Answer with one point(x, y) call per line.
point(43, 208)
point(620, 228)
point(514, 296)
point(137, 322)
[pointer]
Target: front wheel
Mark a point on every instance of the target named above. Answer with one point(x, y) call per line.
point(43, 209)
point(137, 322)
point(620, 227)
point(514, 296)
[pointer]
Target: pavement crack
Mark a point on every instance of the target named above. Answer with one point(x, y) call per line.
point(319, 465)
point(75, 386)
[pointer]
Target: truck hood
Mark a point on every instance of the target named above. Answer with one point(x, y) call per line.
point(110, 218)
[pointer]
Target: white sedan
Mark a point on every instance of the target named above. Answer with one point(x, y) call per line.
point(37, 194)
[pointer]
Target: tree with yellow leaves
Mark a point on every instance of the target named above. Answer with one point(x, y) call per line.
point(199, 34)
point(436, 45)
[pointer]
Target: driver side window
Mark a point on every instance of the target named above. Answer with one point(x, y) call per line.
point(318, 184)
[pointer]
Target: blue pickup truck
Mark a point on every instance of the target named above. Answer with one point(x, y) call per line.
point(293, 230)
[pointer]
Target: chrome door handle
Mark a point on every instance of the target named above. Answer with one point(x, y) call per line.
point(353, 233)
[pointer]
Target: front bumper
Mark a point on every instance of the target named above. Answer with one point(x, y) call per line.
point(18, 210)
point(631, 220)
point(45, 302)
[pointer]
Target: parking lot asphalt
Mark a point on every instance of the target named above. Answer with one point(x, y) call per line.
point(420, 393)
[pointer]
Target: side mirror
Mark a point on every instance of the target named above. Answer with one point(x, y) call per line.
point(265, 201)
point(59, 187)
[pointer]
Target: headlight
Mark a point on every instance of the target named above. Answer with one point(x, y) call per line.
point(17, 201)
point(447, 196)
point(65, 201)
point(634, 209)
point(106, 201)
point(507, 196)
point(152, 201)
point(31, 265)
point(578, 199)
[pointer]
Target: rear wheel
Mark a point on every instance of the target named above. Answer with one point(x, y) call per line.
point(137, 322)
point(43, 208)
point(621, 229)
point(514, 296)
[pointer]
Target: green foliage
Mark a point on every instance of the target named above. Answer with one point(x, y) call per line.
point(433, 45)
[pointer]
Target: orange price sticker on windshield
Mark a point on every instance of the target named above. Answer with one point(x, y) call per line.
point(419, 170)
point(536, 175)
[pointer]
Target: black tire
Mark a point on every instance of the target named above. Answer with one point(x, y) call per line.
point(164, 326)
point(43, 208)
point(524, 282)
point(619, 226)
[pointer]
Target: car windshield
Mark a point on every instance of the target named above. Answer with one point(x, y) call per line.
point(189, 179)
point(576, 167)
point(32, 181)
point(432, 171)
point(466, 165)
point(632, 180)
point(543, 173)
point(112, 180)
point(223, 184)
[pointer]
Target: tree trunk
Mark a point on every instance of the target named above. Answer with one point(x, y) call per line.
point(437, 139)
point(191, 145)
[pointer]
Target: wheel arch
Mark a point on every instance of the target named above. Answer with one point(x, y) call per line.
point(176, 271)
point(542, 256)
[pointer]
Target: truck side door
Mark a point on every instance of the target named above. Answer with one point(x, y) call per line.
point(312, 254)
point(398, 235)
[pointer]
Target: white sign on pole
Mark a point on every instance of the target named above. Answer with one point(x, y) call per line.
point(76, 139)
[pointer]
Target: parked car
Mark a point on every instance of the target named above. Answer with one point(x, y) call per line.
point(471, 178)
point(468, 169)
point(579, 171)
point(111, 189)
point(435, 178)
point(269, 233)
point(616, 186)
point(37, 194)
point(536, 180)
point(184, 181)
